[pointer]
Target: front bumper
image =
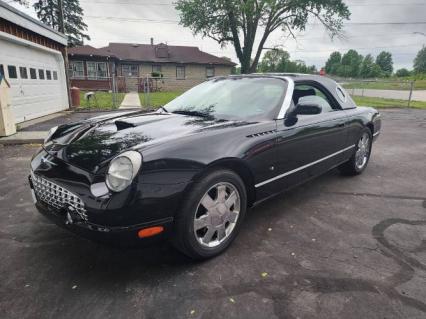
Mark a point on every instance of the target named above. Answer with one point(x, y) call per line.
point(118, 236)
point(114, 217)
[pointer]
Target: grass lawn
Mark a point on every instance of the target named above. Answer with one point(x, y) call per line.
point(418, 85)
point(158, 99)
point(101, 100)
point(382, 103)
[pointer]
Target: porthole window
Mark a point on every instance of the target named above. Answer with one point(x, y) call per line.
point(341, 94)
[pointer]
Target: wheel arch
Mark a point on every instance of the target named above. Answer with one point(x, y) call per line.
point(240, 168)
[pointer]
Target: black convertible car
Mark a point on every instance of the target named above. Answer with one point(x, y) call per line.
point(191, 169)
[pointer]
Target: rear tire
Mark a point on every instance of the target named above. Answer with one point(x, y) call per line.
point(359, 160)
point(211, 215)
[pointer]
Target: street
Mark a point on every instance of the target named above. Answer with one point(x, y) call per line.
point(336, 247)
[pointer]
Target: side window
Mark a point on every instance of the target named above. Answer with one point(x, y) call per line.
point(33, 73)
point(41, 74)
point(48, 75)
point(55, 75)
point(23, 72)
point(180, 72)
point(311, 94)
point(11, 69)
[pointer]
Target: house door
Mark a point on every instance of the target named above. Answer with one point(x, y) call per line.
point(131, 76)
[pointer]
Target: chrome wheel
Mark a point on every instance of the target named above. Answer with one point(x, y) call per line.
point(217, 214)
point(363, 151)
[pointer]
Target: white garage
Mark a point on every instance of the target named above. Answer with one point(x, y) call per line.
point(32, 62)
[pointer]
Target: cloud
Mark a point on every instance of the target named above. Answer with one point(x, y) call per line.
point(111, 21)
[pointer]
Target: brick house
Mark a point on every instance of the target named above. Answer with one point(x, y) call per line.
point(129, 65)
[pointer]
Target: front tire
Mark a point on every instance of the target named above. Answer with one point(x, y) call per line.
point(359, 160)
point(211, 215)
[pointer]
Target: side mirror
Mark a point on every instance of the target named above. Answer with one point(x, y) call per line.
point(307, 108)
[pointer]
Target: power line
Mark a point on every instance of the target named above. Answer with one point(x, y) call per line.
point(175, 21)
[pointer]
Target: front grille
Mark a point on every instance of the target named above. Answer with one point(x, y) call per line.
point(56, 196)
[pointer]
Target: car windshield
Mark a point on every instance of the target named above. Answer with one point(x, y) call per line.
point(236, 98)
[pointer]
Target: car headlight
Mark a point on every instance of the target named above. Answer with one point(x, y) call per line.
point(122, 170)
point(50, 134)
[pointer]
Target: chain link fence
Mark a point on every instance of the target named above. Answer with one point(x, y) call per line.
point(386, 93)
point(153, 92)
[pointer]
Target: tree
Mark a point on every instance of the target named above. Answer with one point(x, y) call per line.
point(238, 22)
point(402, 72)
point(74, 27)
point(420, 61)
point(369, 69)
point(272, 59)
point(385, 62)
point(351, 64)
point(333, 62)
point(278, 60)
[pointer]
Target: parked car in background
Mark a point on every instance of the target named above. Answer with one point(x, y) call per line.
point(191, 169)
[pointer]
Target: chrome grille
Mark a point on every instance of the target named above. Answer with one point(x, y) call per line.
point(57, 196)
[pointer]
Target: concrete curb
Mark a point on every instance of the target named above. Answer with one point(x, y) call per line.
point(30, 137)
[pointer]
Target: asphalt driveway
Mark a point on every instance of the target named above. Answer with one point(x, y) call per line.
point(336, 247)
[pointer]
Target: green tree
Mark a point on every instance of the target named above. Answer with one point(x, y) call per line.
point(402, 72)
point(239, 22)
point(333, 62)
point(369, 69)
point(351, 64)
point(385, 62)
point(420, 61)
point(74, 26)
point(272, 59)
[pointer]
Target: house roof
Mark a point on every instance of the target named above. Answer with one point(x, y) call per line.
point(17, 17)
point(160, 53)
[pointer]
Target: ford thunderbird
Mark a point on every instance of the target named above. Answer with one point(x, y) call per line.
point(190, 170)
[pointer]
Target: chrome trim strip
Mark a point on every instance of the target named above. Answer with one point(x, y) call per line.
point(303, 167)
point(287, 99)
point(377, 133)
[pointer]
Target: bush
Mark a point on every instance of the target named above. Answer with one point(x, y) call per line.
point(402, 72)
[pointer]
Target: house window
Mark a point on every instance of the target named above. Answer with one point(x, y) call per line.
point(23, 72)
point(180, 72)
point(55, 75)
point(91, 70)
point(129, 70)
point(33, 73)
point(11, 69)
point(97, 70)
point(48, 75)
point(41, 74)
point(209, 71)
point(1, 71)
point(76, 69)
point(102, 70)
point(156, 68)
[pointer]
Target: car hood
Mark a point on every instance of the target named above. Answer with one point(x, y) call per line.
point(91, 144)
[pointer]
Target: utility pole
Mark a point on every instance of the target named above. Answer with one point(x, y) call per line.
point(61, 28)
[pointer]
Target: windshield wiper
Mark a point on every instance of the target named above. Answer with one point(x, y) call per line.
point(193, 113)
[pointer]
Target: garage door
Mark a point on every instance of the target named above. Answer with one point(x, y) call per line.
point(37, 80)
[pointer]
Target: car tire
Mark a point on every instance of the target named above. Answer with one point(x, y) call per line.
point(359, 160)
point(218, 201)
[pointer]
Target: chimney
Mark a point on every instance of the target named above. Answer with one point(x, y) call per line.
point(152, 41)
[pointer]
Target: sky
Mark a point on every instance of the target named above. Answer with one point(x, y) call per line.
point(397, 26)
